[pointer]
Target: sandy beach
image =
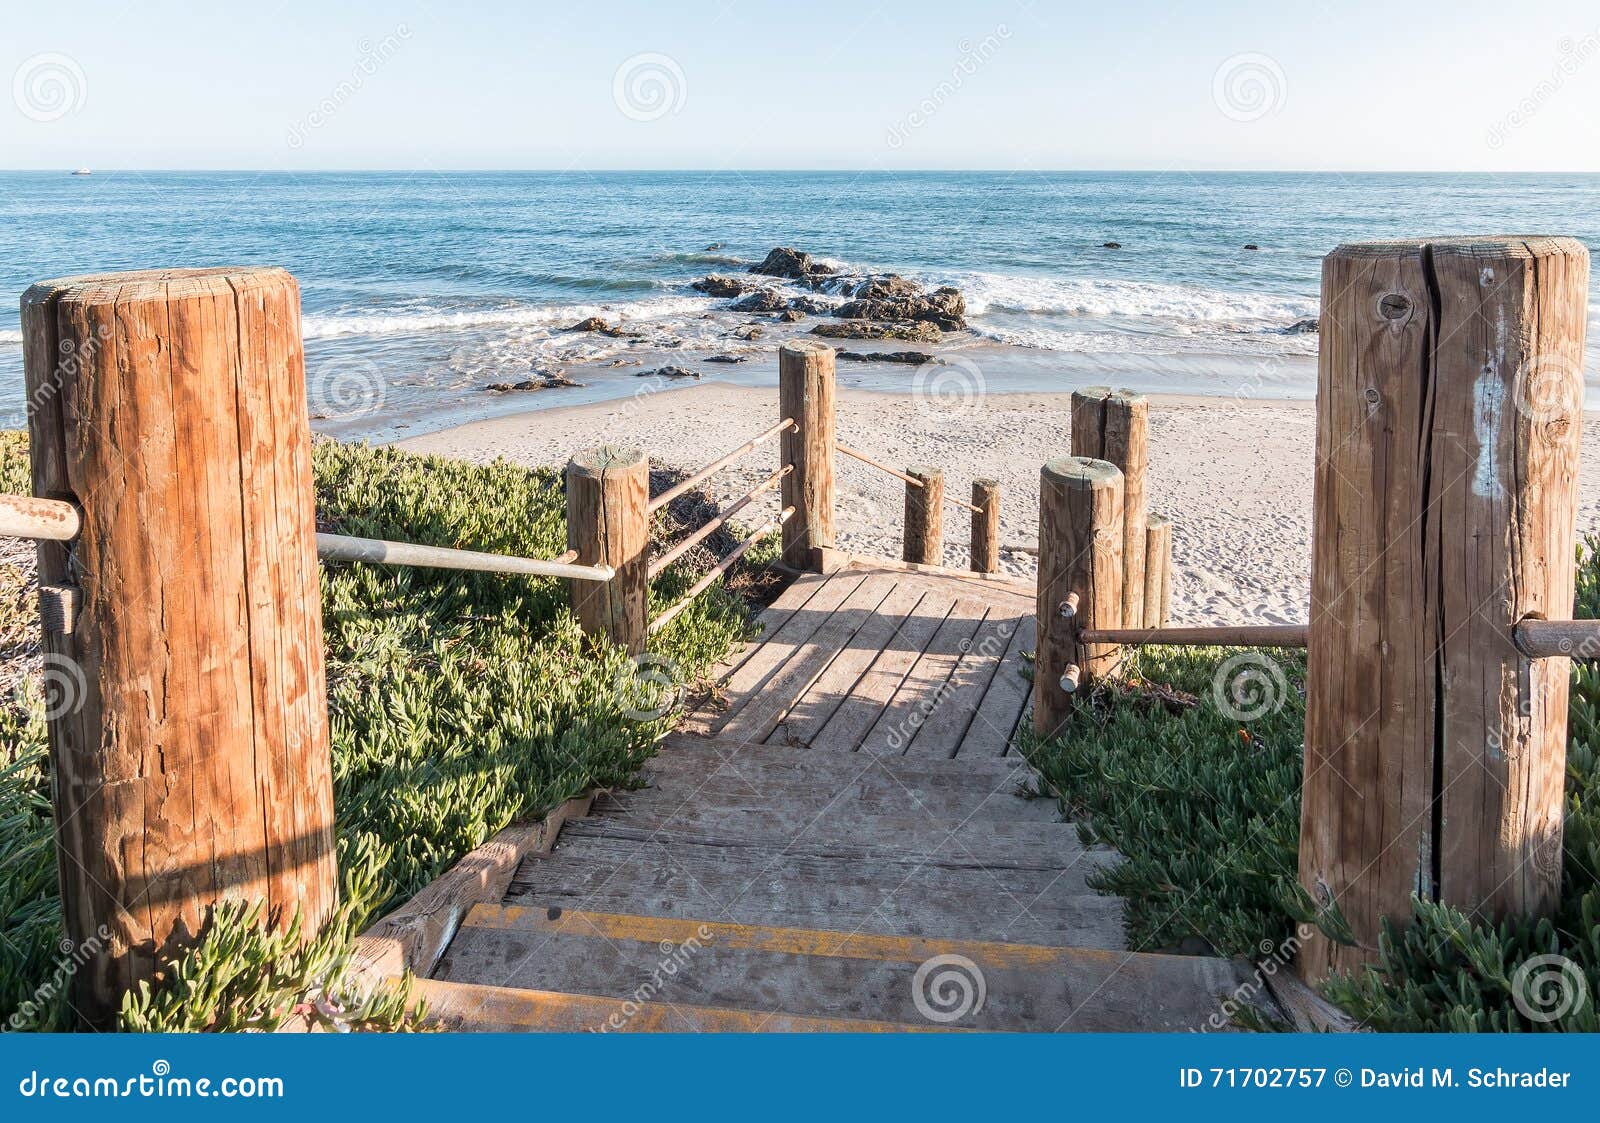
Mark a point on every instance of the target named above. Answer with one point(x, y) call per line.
point(1234, 476)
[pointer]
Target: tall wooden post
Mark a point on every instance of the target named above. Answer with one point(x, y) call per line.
point(924, 526)
point(805, 393)
point(1449, 405)
point(1114, 425)
point(608, 523)
point(1080, 555)
point(189, 729)
point(1157, 570)
point(986, 526)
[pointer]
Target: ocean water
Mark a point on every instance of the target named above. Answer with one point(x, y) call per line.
point(421, 288)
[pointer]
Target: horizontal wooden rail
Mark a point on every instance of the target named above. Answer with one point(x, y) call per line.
point(1550, 639)
point(340, 547)
point(718, 570)
point(49, 520)
point(856, 454)
point(1226, 635)
point(721, 462)
point(711, 527)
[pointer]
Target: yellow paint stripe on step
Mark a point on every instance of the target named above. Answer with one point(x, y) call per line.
point(792, 941)
point(470, 1007)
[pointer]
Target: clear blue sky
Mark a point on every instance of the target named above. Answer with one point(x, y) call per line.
point(1128, 84)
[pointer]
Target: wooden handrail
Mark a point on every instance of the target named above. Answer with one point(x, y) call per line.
point(341, 547)
point(721, 462)
point(1227, 635)
point(718, 570)
point(47, 520)
point(710, 527)
point(856, 454)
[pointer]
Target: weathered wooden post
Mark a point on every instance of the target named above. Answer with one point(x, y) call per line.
point(806, 393)
point(986, 526)
point(1449, 405)
point(1080, 581)
point(608, 523)
point(924, 525)
point(1157, 571)
point(1114, 425)
point(189, 734)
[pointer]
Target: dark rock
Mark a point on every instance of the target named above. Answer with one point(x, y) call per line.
point(1111, 245)
point(727, 358)
point(1302, 327)
point(791, 316)
point(719, 284)
point(712, 248)
point(794, 264)
point(762, 300)
point(811, 305)
point(1251, 246)
point(669, 372)
point(916, 358)
point(885, 286)
point(747, 333)
point(593, 323)
point(944, 307)
point(917, 331)
point(548, 380)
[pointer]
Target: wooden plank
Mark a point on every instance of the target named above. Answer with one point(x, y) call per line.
point(943, 729)
point(760, 715)
point(760, 885)
point(467, 1008)
point(874, 690)
point(1001, 583)
point(1003, 705)
point(832, 974)
point(811, 711)
point(744, 683)
point(918, 695)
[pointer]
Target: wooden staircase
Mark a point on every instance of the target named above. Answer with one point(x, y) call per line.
point(787, 869)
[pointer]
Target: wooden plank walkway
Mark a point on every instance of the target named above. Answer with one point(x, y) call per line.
point(843, 840)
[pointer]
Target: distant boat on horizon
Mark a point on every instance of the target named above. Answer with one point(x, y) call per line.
point(83, 171)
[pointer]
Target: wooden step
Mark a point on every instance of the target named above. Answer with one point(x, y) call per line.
point(832, 975)
point(475, 1008)
point(681, 754)
point(980, 843)
point(936, 895)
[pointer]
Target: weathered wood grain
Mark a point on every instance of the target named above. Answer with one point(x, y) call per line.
point(806, 394)
point(608, 523)
point(923, 537)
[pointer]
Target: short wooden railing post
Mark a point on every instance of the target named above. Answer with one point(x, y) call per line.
point(924, 525)
point(1157, 571)
point(1114, 425)
point(188, 718)
point(806, 394)
point(608, 523)
point(986, 526)
point(1080, 582)
point(1449, 405)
